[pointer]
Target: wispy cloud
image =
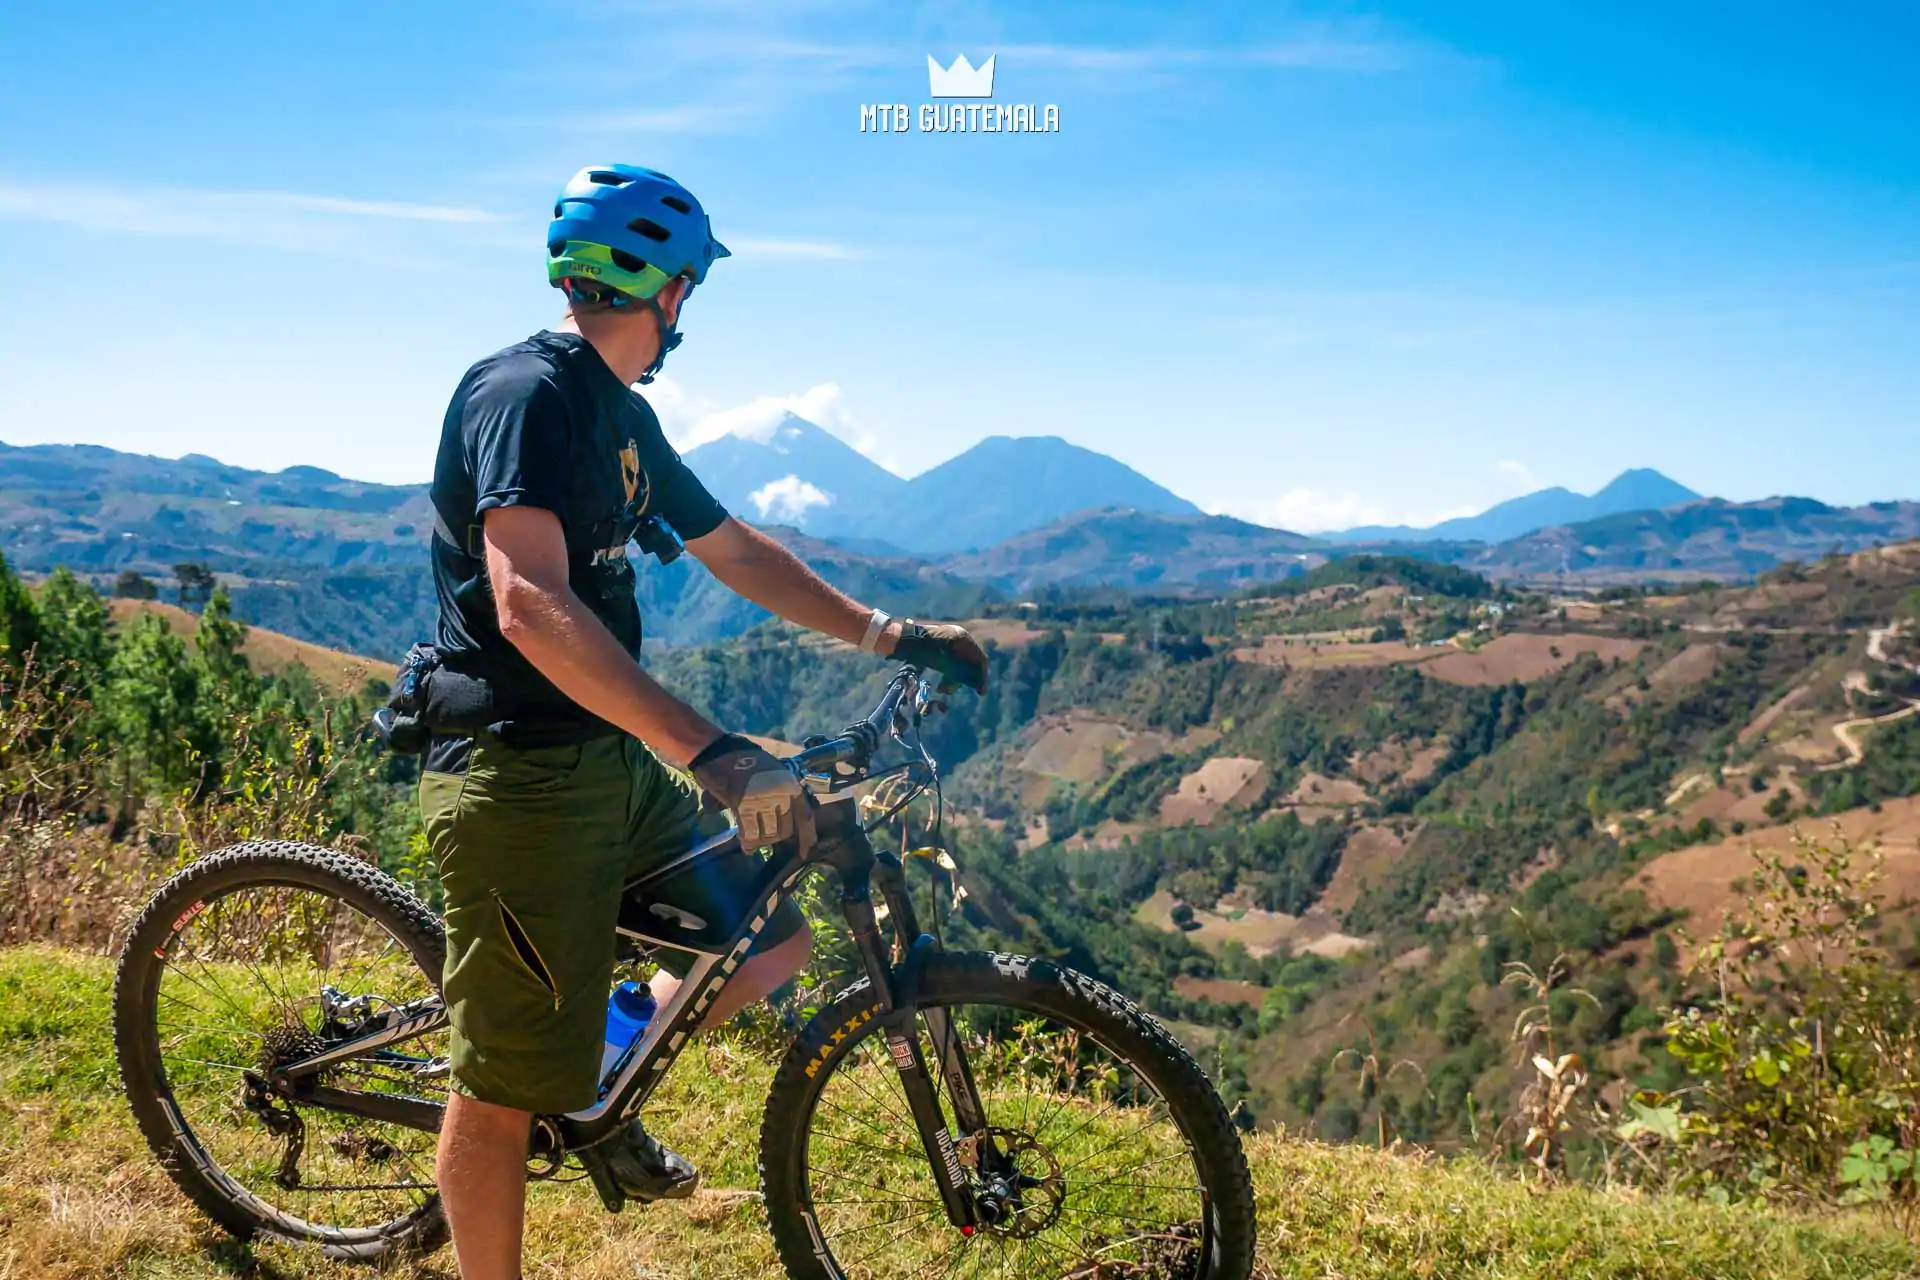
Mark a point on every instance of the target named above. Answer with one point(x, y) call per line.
point(1520, 471)
point(686, 120)
point(1305, 510)
point(1314, 52)
point(788, 499)
point(779, 247)
point(1332, 53)
point(405, 212)
point(283, 219)
point(692, 420)
point(1082, 57)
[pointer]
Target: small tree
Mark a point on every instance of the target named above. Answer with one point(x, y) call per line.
point(196, 584)
point(131, 584)
point(19, 620)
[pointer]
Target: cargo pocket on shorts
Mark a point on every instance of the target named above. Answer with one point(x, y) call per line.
point(523, 946)
point(537, 771)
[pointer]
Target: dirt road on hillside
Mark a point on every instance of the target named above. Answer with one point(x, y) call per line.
point(1847, 730)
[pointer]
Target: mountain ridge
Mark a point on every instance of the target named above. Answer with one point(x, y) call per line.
point(747, 475)
point(1635, 489)
point(342, 562)
point(1709, 538)
point(803, 475)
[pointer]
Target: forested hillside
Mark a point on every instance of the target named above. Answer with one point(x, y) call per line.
point(1333, 815)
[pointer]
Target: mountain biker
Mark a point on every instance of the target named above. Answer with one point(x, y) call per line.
point(558, 769)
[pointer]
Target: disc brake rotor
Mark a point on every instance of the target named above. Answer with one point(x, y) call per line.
point(1023, 1194)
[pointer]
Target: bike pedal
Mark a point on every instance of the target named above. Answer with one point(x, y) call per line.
point(602, 1178)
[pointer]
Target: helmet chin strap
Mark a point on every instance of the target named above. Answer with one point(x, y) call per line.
point(669, 337)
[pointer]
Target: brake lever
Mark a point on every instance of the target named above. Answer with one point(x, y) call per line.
point(929, 695)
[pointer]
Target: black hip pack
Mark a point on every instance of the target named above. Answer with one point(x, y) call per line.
point(429, 698)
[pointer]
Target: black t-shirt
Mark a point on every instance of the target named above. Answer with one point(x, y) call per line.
point(545, 423)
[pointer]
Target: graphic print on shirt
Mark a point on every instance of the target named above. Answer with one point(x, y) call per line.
point(639, 487)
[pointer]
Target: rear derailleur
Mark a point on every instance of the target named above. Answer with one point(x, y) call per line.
point(280, 1120)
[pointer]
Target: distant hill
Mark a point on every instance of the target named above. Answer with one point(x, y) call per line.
point(799, 475)
point(271, 651)
point(99, 509)
point(806, 477)
point(681, 603)
point(1713, 538)
point(1006, 485)
point(1140, 549)
point(340, 562)
point(1641, 489)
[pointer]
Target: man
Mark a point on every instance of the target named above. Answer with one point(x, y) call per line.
point(556, 778)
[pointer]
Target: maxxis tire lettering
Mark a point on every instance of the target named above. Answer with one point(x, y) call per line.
point(1018, 982)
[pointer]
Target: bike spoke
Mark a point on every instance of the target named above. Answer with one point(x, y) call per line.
point(260, 956)
point(1082, 1128)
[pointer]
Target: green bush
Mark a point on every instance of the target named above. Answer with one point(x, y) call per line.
point(1802, 1044)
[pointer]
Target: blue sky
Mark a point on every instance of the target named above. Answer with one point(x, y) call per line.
point(1315, 264)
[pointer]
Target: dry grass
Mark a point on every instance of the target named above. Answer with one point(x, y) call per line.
point(1083, 748)
point(80, 1198)
point(271, 652)
point(1526, 657)
point(1689, 667)
point(1317, 788)
point(1220, 990)
point(1701, 880)
point(1396, 760)
point(1221, 783)
point(1298, 653)
point(1260, 932)
point(1370, 852)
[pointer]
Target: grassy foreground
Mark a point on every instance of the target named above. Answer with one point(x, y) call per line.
point(81, 1197)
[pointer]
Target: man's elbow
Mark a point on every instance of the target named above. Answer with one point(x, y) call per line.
point(522, 609)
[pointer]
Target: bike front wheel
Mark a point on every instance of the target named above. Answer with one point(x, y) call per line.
point(1113, 1156)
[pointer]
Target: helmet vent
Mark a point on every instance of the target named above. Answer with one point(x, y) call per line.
point(650, 229)
point(627, 262)
point(556, 248)
point(676, 204)
point(557, 212)
point(607, 179)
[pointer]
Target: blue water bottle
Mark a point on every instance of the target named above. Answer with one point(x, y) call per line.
point(629, 1010)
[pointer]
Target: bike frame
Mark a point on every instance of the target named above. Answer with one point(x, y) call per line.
point(841, 847)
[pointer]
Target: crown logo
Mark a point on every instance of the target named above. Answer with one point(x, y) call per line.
point(962, 79)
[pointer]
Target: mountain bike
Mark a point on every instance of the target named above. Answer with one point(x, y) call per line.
point(282, 1040)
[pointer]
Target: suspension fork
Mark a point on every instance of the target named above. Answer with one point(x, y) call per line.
point(970, 1114)
point(903, 1045)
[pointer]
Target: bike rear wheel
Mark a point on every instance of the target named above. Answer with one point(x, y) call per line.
point(1125, 1163)
point(253, 957)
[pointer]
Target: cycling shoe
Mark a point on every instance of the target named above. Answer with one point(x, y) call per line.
point(646, 1169)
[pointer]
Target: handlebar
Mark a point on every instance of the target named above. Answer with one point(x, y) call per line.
point(857, 744)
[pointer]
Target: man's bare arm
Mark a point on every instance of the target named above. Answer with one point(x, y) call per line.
point(541, 617)
point(753, 565)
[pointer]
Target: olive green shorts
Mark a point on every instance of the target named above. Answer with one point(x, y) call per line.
point(535, 846)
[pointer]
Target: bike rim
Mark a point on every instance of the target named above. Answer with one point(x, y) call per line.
point(238, 990)
point(1108, 1183)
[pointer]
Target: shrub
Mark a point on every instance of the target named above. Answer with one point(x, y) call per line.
point(1804, 1044)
